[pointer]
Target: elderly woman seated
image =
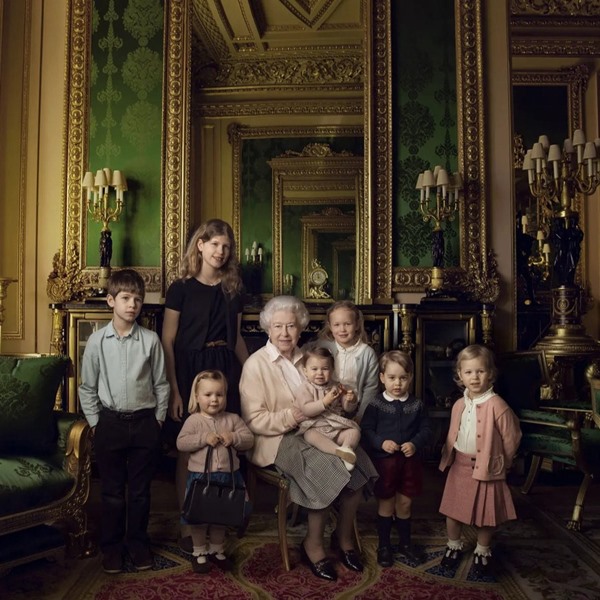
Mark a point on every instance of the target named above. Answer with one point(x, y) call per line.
point(269, 379)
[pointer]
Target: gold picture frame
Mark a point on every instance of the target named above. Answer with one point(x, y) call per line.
point(477, 267)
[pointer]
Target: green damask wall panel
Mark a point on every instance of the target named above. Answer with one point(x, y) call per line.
point(126, 122)
point(424, 120)
point(256, 207)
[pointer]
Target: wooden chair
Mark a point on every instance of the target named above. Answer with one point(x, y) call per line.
point(272, 477)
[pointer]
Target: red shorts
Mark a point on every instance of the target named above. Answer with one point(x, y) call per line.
point(398, 475)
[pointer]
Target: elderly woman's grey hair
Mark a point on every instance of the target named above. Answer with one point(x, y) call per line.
point(286, 303)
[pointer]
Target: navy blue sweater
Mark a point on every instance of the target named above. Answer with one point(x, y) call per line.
point(398, 421)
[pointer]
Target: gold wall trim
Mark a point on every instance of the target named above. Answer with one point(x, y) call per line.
point(283, 74)
point(176, 135)
point(573, 47)
point(281, 107)
point(555, 7)
point(471, 151)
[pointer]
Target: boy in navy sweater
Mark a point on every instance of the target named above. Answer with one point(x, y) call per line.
point(395, 428)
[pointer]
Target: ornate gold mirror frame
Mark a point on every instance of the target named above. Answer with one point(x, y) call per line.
point(71, 276)
point(348, 168)
point(315, 228)
point(575, 80)
point(477, 267)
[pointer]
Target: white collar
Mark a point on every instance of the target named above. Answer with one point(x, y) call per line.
point(480, 399)
point(390, 398)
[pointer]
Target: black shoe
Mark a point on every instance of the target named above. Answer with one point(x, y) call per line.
point(186, 544)
point(112, 562)
point(451, 558)
point(385, 556)
point(412, 553)
point(349, 558)
point(220, 560)
point(141, 557)
point(322, 568)
point(482, 565)
point(203, 567)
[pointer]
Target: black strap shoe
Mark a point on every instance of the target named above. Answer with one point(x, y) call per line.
point(322, 568)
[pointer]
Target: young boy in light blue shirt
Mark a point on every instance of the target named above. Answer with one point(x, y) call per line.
point(124, 394)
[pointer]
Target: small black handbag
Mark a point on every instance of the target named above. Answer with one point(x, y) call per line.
point(212, 502)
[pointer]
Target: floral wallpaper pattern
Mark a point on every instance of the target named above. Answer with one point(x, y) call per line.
point(126, 122)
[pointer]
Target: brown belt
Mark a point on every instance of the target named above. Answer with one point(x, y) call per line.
point(216, 343)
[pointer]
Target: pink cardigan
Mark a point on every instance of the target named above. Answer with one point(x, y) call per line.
point(498, 437)
point(193, 434)
point(267, 402)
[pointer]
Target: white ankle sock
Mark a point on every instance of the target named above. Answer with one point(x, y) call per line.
point(482, 550)
point(455, 544)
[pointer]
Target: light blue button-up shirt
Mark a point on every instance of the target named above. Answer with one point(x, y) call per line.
point(123, 373)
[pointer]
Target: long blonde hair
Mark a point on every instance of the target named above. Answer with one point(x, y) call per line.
point(191, 263)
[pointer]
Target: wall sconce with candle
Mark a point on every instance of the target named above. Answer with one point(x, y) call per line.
point(105, 209)
point(255, 261)
point(438, 202)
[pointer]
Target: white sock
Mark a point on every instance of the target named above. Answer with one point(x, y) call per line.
point(218, 550)
point(454, 544)
point(482, 550)
point(200, 553)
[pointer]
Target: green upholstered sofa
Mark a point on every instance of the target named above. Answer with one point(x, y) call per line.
point(44, 463)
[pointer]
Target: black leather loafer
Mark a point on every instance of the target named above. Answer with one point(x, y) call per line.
point(349, 558)
point(322, 568)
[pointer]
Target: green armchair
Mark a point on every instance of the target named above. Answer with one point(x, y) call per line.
point(44, 463)
point(560, 433)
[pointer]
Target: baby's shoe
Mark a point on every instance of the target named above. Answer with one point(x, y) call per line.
point(220, 560)
point(346, 454)
point(451, 558)
point(482, 565)
point(200, 564)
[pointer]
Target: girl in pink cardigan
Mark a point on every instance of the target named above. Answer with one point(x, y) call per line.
point(482, 441)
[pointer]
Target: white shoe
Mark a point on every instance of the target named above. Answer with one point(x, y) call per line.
point(346, 454)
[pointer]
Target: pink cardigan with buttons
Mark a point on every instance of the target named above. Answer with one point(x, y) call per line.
point(498, 437)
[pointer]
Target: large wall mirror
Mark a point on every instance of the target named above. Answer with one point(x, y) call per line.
point(545, 102)
point(393, 176)
point(379, 274)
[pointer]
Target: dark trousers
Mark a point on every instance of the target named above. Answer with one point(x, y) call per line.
point(127, 447)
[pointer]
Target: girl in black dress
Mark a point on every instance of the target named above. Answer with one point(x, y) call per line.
point(201, 328)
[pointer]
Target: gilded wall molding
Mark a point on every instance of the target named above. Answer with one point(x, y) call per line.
point(302, 71)
point(573, 47)
point(176, 135)
point(281, 107)
point(471, 150)
point(555, 7)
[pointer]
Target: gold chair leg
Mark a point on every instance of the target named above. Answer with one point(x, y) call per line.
point(576, 518)
point(536, 463)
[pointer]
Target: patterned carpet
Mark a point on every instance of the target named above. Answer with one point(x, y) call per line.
point(536, 557)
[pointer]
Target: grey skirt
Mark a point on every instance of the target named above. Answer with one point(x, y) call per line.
point(317, 478)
